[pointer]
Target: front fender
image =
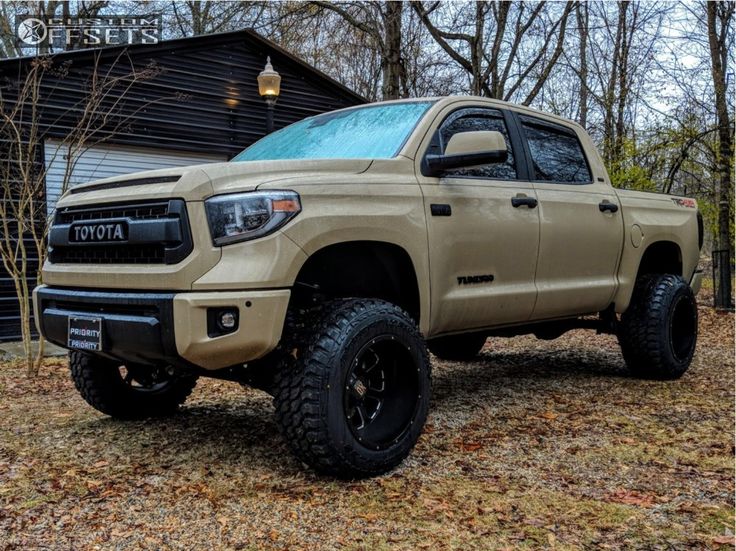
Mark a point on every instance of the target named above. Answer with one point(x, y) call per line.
point(393, 213)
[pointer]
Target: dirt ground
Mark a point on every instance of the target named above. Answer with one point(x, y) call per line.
point(535, 444)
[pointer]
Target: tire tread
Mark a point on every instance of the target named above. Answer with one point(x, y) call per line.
point(101, 386)
point(643, 336)
point(302, 385)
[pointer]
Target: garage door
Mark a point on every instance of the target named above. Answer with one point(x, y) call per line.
point(104, 161)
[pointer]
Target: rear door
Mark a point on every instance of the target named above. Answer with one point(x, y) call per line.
point(581, 228)
point(482, 249)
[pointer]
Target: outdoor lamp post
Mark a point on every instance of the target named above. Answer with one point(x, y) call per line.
point(269, 86)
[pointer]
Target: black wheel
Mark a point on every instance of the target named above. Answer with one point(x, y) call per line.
point(355, 400)
point(128, 392)
point(457, 347)
point(659, 330)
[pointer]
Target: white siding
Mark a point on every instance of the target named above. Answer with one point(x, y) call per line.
point(104, 161)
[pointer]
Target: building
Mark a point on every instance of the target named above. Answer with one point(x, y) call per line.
point(200, 105)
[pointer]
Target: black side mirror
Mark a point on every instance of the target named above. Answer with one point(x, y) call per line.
point(435, 165)
point(465, 149)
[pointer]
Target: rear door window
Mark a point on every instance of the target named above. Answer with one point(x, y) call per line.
point(557, 154)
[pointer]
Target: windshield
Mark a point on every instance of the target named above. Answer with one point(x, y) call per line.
point(373, 132)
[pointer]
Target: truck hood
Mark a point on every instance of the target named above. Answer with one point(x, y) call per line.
point(242, 176)
point(197, 182)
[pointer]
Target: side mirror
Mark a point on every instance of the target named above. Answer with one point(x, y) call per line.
point(467, 149)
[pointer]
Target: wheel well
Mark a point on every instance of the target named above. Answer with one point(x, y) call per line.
point(365, 269)
point(662, 257)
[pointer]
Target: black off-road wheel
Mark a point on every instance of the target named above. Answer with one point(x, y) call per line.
point(128, 392)
point(353, 401)
point(457, 347)
point(659, 330)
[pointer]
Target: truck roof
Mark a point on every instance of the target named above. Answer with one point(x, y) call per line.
point(444, 100)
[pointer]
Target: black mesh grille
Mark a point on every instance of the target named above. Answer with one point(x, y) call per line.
point(145, 211)
point(123, 253)
point(111, 254)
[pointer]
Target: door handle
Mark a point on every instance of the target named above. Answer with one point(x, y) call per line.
point(606, 205)
point(523, 200)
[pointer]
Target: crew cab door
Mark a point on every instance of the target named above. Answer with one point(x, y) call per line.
point(581, 228)
point(482, 245)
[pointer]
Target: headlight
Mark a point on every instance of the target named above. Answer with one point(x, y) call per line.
point(243, 216)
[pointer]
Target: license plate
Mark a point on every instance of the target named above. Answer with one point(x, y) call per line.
point(85, 334)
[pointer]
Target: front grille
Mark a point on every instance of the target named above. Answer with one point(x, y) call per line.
point(147, 243)
point(109, 254)
point(143, 211)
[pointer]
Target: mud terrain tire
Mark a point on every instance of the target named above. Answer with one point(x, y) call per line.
point(659, 330)
point(354, 400)
point(136, 394)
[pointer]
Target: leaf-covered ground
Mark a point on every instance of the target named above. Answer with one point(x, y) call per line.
point(535, 444)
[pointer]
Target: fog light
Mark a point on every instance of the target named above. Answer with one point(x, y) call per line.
point(221, 321)
point(228, 320)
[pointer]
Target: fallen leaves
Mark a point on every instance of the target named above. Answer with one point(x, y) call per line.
point(439, 509)
point(535, 444)
point(632, 497)
point(471, 446)
point(725, 540)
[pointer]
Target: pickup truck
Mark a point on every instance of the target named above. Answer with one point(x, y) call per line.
point(322, 262)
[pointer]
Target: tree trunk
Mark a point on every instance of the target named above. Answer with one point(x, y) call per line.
point(391, 64)
point(476, 52)
point(609, 123)
point(582, 17)
point(623, 79)
point(721, 14)
point(502, 17)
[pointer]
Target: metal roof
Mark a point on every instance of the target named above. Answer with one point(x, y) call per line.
point(193, 42)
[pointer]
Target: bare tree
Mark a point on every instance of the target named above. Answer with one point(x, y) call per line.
point(720, 16)
point(195, 17)
point(381, 50)
point(322, 39)
point(489, 41)
point(427, 71)
point(582, 15)
point(381, 22)
point(620, 66)
point(471, 45)
point(21, 206)
point(9, 43)
point(99, 116)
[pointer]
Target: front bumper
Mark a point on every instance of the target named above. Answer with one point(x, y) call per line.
point(167, 328)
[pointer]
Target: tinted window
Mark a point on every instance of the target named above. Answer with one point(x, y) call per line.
point(468, 120)
point(556, 152)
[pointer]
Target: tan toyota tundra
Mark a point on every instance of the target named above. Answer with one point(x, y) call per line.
point(323, 261)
